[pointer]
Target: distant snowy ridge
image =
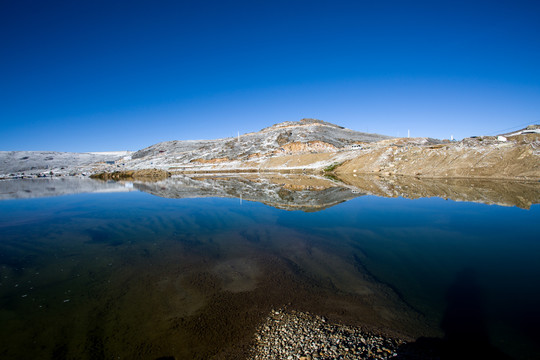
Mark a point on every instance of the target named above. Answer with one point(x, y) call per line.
point(41, 163)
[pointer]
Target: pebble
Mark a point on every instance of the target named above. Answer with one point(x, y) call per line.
point(303, 336)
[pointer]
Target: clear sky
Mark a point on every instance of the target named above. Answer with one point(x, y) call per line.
point(122, 75)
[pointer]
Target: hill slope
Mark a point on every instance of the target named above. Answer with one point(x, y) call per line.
point(306, 136)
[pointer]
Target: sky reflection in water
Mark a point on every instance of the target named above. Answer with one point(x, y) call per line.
point(125, 273)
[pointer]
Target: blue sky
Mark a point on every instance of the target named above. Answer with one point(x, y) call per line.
point(122, 75)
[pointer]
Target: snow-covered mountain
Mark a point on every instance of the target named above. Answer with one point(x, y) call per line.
point(307, 136)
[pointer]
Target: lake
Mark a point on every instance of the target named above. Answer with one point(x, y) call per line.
point(189, 266)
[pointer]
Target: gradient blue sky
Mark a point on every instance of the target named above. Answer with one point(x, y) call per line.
point(122, 75)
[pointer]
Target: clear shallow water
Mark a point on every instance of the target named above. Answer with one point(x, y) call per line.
point(134, 275)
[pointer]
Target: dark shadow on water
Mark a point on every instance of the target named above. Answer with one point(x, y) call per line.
point(464, 326)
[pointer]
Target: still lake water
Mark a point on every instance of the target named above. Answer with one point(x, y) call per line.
point(133, 275)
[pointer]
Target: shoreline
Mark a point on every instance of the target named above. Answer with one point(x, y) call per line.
point(298, 335)
point(106, 175)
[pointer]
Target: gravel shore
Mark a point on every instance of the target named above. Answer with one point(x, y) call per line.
point(296, 335)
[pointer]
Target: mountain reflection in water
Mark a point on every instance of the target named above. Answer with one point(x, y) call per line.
point(292, 191)
point(314, 193)
point(120, 273)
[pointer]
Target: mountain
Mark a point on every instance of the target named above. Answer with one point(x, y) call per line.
point(305, 146)
point(308, 134)
point(258, 150)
